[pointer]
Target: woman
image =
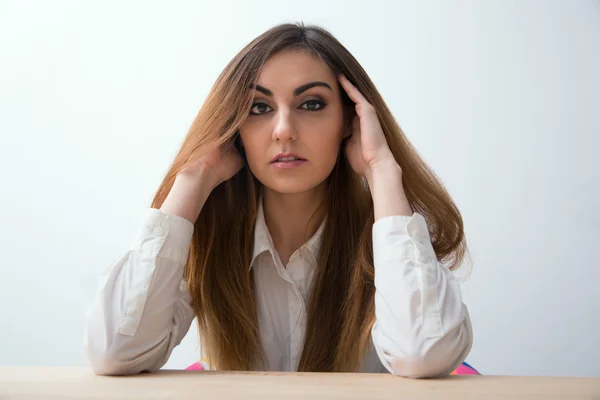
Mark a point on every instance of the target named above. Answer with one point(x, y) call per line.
point(298, 225)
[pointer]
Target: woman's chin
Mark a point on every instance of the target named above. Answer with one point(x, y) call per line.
point(291, 186)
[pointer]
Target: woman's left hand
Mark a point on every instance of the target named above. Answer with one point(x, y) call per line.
point(367, 147)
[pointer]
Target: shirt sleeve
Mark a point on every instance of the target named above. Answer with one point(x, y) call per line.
point(422, 327)
point(142, 310)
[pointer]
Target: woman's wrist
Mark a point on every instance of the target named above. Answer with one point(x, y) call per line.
point(188, 195)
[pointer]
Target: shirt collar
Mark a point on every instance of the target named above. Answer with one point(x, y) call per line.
point(264, 242)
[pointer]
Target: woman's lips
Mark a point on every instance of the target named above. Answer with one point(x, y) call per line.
point(288, 164)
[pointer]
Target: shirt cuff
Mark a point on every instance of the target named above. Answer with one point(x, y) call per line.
point(400, 236)
point(164, 235)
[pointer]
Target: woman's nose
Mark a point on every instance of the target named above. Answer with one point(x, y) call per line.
point(284, 129)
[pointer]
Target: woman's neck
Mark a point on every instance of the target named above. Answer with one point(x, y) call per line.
point(289, 218)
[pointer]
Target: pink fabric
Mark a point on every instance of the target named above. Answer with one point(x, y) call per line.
point(465, 369)
point(195, 367)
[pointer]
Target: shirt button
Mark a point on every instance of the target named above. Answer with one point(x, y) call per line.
point(158, 231)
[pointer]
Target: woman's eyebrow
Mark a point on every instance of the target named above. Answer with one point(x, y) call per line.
point(298, 91)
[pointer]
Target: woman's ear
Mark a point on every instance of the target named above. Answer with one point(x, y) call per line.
point(348, 124)
point(347, 132)
point(349, 112)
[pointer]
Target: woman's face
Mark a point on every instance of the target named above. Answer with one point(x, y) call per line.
point(293, 133)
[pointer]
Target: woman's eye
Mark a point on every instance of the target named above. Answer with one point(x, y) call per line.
point(310, 105)
point(313, 105)
point(259, 109)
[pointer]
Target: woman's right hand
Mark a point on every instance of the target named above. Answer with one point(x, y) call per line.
point(195, 182)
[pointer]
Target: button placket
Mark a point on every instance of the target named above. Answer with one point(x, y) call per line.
point(297, 310)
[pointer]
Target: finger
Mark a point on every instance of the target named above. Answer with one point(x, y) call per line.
point(354, 94)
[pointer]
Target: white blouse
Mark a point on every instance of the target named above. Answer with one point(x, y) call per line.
point(142, 308)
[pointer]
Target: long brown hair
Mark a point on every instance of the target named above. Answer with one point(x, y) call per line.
point(341, 306)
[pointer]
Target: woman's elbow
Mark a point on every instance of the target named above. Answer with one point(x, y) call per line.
point(109, 366)
point(115, 360)
point(417, 367)
point(104, 362)
point(433, 362)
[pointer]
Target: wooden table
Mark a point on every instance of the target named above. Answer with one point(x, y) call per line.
point(80, 383)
